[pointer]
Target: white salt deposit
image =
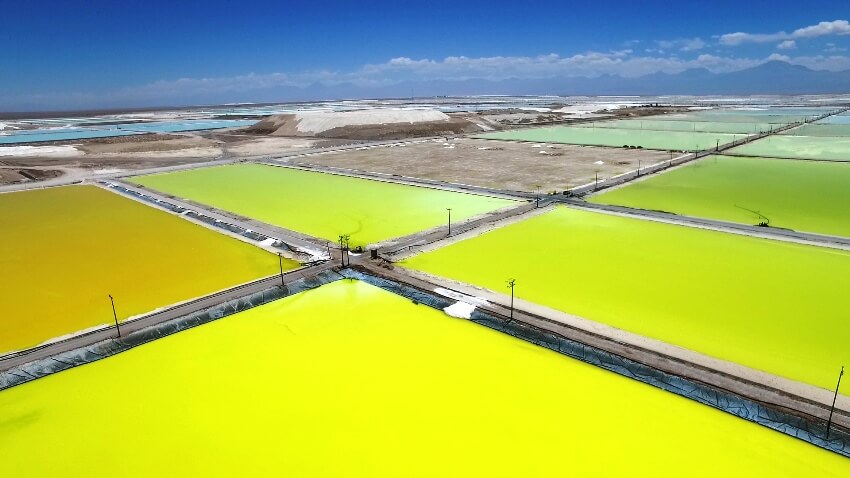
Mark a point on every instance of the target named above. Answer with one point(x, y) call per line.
point(320, 121)
point(56, 151)
point(469, 299)
point(461, 310)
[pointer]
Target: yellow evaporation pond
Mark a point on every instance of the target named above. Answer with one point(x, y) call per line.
point(323, 205)
point(770, 305)
point(64, 250)
point(350, 380)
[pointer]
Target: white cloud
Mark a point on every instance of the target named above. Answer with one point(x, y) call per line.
point(835, 27)
point(733, 39)
point(627, 63)
point(778, 57)
point(787, 45)
point(682, 44)
point(833, 48)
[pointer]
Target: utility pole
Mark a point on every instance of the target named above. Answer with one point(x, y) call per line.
point(114, 315)
point(717, 146)
point(343, 247)
point(450, 220)
point(280, 265)
point(511, 284)
point(835, 397)
point(595, 180)
point(537, 205)
point(638, 171)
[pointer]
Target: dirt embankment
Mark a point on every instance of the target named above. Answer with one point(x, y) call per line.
point(637, 111)
point(377, 124)
point(22, 175)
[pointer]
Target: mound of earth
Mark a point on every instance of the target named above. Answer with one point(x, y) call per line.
point(364, 124)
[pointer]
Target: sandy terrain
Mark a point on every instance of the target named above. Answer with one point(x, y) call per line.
point(164, 146)
point(506, 165)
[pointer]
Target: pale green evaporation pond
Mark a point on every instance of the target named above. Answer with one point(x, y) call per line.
point(773, 306)
point(820, 129)
point(687, 126)
point(775, 116)
point(662, 140)
point(810, 196)
point(843, 118)
point(322, 205)
point(800, 147)
point(349, 380)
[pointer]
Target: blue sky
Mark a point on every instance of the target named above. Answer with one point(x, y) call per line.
point(107, 53)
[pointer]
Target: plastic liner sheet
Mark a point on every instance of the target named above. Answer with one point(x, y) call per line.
point(106, 348)
point(253, 235)
point(809, 430)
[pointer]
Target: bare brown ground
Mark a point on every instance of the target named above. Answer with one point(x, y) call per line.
point(144, 152)
point(502, 165)
point(15, 175)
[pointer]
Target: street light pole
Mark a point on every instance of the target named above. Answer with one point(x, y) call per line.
point(280, 265)
point(450, 220)
point(835, 397)
point(114, 315)
point(343, 247)
point(511, 284)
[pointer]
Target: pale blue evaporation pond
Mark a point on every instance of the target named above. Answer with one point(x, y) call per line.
point(68, 134)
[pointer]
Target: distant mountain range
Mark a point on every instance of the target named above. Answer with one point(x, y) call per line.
point(774, 77)
point(771, 78)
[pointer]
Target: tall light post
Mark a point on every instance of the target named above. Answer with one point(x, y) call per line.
point(511, 283)
point(537, 198)
point(343, 247)
point(280, 265)
point(835, 397)
point(450, 220)
point(114, 315)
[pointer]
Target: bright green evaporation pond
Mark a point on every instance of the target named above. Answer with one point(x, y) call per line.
point(322, 205)
point(663, 140)
point(802, 147)
point(811, 196)
point(350, 380)
point(774, 306)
